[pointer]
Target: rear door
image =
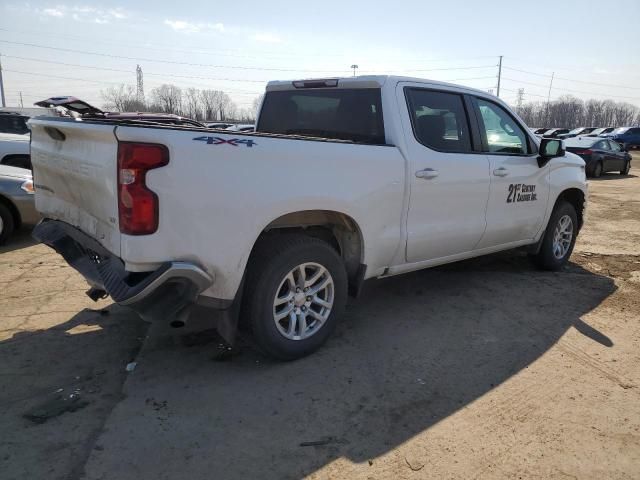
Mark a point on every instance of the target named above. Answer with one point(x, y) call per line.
point(602, 149)
point(619, 157)
point(75, 176)
point(519, 188)
point(449, 175)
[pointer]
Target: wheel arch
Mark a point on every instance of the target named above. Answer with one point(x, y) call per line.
point(338, 229)
point(577, 198)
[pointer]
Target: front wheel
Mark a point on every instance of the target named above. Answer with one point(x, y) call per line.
point(559, 238)
point(296, 290)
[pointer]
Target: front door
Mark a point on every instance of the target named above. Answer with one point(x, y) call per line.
point(449, 175)
point(519, 187)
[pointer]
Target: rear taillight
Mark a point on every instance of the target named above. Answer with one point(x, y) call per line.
point(583, 152)
point(137, 205)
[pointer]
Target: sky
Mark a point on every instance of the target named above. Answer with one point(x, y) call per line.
point(82, 48)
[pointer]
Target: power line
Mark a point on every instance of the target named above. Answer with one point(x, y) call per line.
point(572, 79)
point(172, 62)
point(236, 92)
point(572, 90)
point(197, 49)
point(239, 67)
point(63, 78)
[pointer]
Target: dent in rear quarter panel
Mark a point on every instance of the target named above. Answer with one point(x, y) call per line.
point(216, 199)
point(76, 178)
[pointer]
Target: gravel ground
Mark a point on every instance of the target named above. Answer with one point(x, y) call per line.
point(482, 369)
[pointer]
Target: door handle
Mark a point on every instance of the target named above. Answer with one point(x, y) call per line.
point(501, 172)
point(427, 173)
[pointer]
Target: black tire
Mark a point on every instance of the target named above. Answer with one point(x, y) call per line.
point(626, 168)
point(7, 226)
point(268, 267)
point(597, 170)
point(545, 258)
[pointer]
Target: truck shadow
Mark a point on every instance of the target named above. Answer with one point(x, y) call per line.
point(20, 239)
point(611, 176)
point(409, 353)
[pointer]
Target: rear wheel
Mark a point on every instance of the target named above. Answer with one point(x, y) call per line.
point(559, 237)
point(6, 223)
point(597, 170)
point(626, 168)
point(296, 290)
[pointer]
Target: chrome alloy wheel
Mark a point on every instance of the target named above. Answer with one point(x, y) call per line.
point(562, 237)
point(303, 301)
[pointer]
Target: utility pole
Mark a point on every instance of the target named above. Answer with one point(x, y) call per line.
point(549, 95)
point(354, 69)
point(139, 84)
point(520, 98)
point(3, 103)
point(499, 76)
point(21, 104)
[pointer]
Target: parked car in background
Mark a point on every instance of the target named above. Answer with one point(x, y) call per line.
point(17, 205)
point(220, 125)
point(628, 137)
point(12, 122)
point(600, 131)
point(576, 131)
point(539, 131)
point(242, 128)
point(554, 132)
point(14, 150)
point(600, 155)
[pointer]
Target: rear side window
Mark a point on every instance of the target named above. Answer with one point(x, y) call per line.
point(503, 134)
point(342, 114)
point(439, 120)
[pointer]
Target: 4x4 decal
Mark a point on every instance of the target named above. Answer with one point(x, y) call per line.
point(226, 141)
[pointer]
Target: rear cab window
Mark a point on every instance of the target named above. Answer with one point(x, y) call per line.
point(439, 120)
point(334, 113)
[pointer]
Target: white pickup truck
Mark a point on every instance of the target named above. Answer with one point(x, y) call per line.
point(344, 180)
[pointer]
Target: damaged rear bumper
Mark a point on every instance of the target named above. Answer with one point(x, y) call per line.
point(168, 292)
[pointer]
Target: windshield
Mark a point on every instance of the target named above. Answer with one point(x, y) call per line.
point(576, 130)
point(343, 114)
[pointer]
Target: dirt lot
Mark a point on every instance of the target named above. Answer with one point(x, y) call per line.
point(482, 369)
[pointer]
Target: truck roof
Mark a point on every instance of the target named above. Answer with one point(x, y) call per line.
point(361, 81)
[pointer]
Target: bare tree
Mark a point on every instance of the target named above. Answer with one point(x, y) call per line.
point(168, 98)
point(122, 99)
point(570, 112)
point(192, 103)
point(210, 100)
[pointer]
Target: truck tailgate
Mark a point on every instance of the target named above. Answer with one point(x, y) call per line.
point(75, 174)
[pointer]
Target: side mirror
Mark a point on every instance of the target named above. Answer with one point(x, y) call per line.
point(550, 148)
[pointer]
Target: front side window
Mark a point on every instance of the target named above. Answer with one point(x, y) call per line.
point(615, 147)
point(341, 114)
point(602, 146)
point(439, 120)
point(503, 134)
